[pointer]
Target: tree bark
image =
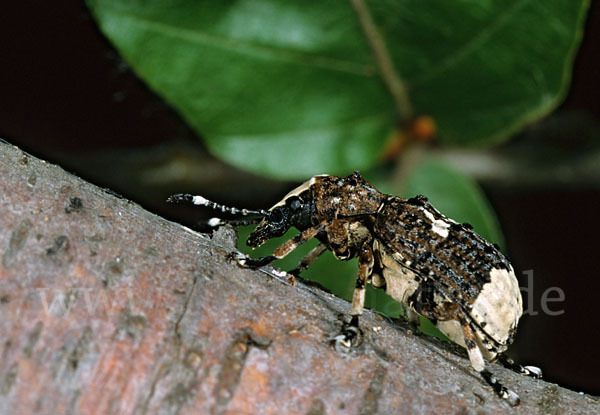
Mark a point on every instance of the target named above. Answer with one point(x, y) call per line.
point(109, 309)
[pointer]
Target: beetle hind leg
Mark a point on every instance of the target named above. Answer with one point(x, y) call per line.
point(508, 363)
point(476, 358)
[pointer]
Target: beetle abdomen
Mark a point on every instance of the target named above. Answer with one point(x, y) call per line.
point(498, 307)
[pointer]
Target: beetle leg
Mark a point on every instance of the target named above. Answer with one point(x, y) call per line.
point(508, 363)
point(365, 268)
point(350, 335)
point(337, 237)
point(412, 316)
point(478, 364)
point(307, 261)
point(285, 248)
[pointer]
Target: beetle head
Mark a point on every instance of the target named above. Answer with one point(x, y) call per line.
point(296, 210)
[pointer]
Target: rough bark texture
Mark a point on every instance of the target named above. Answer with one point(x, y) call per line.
point(155, 319)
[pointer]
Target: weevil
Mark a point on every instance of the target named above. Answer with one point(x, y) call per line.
point(434, 266)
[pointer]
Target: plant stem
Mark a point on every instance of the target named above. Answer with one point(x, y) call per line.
point(388, 72)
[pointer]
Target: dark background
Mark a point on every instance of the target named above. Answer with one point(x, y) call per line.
point(67, 97)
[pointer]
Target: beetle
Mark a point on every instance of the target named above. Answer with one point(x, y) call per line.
point(432, 265)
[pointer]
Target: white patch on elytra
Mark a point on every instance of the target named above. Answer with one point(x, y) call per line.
point(439, 226)
point(295, 192)
point(452, 330)
point(499, 305)
point(400, 281)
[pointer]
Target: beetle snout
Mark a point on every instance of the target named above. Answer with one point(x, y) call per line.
point(256, 239)
point(265, 231)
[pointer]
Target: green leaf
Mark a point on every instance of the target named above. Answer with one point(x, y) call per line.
point(290, 88)
point(455, 195)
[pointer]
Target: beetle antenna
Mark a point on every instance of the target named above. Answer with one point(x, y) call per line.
point(216, 222)
point(200, 201)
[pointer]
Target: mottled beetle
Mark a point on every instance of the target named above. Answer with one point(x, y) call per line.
point(432, 265)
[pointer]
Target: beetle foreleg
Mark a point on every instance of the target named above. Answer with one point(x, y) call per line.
point(298, 240)
point(285, 249)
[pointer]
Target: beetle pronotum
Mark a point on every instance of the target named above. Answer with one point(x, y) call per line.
point(432, 265)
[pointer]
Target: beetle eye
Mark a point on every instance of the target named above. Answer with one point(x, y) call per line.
point(276, 216)
point(295, 204)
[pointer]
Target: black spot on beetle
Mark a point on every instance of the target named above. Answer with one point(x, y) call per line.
point(488, 249)
point(467, 225)
point(456, 227)
point(418, 200)
point(470, 344)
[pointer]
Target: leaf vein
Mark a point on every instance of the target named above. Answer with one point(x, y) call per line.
point(470, 46)
point(289, 56)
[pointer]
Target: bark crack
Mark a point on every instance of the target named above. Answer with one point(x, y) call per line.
point(186, 303)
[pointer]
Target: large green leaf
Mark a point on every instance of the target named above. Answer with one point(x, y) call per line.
point(289, 88)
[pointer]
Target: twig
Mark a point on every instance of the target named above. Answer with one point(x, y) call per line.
point(384, 62)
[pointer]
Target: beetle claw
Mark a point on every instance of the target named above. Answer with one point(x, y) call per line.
point(238, 257)
point(511, 397)
point(255, 262)
point(350, 337)
point(532, 371)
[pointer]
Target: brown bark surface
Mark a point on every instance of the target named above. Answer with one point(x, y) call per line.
point(109, 309)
